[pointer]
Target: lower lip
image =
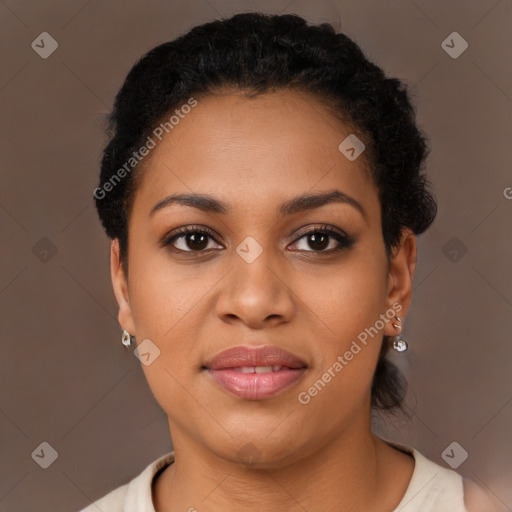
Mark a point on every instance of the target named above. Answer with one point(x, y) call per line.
point(256, 386)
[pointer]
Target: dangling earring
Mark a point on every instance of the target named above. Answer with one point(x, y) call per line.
point(399, 344)
point(127, 339)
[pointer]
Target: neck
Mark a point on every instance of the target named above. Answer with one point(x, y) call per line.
point(351, 472)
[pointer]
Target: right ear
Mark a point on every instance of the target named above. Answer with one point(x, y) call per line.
point(120, 285)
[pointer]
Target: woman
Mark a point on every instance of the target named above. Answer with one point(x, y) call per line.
point(262, 189)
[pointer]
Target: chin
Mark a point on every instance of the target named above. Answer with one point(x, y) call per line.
point(258, 449)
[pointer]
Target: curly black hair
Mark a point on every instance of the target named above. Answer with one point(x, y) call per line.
point(257, 53)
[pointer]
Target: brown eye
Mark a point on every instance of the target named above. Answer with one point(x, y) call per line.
point(318, 241)
point(321, 240)
point(189, 239)
point(196, 241)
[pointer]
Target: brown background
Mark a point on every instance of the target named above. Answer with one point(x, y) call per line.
point(65, 377)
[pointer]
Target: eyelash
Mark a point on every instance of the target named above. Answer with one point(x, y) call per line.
point(344, 241)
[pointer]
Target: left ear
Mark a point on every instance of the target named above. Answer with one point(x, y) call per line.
point(401, 271)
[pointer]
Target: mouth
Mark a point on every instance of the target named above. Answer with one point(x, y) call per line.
point(255, 373)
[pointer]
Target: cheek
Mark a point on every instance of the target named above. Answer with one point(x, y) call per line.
point(162, 295)
point(340, 381)
point(350, 300)
point(349, 327)
point(165, 308)
point(171, 306)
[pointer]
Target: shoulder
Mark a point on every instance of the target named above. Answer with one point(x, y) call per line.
point(134, 496)
point(432, 488)
point(436, 487)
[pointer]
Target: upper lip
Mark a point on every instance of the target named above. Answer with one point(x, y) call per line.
point(244, 356)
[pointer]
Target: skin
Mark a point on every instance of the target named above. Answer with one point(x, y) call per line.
point(255, 154)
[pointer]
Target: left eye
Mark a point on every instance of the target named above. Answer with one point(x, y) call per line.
point(319, 240)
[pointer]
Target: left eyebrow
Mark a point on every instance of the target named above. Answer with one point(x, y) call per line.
point(304, 202)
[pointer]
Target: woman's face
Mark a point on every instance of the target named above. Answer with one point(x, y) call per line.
point(257, 278)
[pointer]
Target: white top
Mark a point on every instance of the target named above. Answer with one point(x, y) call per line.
point(432, 489)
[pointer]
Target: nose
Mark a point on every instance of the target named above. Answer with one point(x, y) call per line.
point(257, 293)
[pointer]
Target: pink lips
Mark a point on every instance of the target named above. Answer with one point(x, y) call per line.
point(255, 373)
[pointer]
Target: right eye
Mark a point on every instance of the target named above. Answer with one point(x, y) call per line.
point(191, 239)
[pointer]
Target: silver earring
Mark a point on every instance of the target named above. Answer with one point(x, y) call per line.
point(127, 339)
point(399, 344)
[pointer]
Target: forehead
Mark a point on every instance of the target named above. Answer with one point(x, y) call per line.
point(252, 152)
